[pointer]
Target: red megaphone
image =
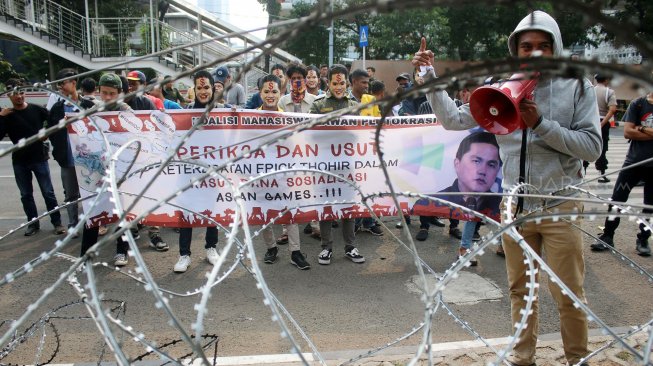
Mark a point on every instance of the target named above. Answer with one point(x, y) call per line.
point(496, 107)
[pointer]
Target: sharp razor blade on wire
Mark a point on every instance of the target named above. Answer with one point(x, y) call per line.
point(240, 235)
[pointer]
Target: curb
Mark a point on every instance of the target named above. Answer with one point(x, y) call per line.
point(447, 353)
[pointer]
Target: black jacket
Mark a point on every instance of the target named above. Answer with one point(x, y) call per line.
point(61, 151)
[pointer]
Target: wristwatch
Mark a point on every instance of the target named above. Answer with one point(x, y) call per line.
point(641, 129)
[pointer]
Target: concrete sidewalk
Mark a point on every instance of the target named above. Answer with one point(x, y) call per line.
point(465, 353)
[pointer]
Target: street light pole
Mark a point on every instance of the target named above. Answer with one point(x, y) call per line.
point(88, 29)
point(331, 37)
point(152, 26)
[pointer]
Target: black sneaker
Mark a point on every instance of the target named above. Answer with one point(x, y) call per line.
point(603, 243)
point(158, 244)
point(642, 247)
point(437, 222)
point(325, 256)
point(297, 258)
point(374, 230)
point(271, 255)
point(455, 232)
point(352, 253)
point(135, 233)
point(422, 234)
point(308, 229)
point(604, 180)
point(476, 237)
point(32, 230)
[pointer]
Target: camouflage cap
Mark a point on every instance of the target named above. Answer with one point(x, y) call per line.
point(111, 80)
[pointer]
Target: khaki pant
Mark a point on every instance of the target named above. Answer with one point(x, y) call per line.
point(292, 230)
point(562, 245)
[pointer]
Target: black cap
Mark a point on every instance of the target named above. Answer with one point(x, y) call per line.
point(403, 75)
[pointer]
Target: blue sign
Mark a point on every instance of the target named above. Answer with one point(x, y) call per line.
point(363, 36)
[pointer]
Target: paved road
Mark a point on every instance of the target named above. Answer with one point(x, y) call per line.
point(344, 306)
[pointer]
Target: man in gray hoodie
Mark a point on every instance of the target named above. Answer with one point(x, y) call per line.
point(562, 131)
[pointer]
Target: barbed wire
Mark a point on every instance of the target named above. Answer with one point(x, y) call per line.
point(240, 236)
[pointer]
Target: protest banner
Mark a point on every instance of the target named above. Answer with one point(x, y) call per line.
point(260, 161)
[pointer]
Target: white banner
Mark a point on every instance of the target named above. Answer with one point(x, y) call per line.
point(418, 153)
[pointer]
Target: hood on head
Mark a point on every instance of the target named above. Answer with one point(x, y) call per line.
point(537, 20)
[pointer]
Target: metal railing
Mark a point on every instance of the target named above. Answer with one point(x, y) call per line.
point(50, 18)
point(124, 37)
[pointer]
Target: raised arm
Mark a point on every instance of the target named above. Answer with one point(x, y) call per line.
point(444, 108)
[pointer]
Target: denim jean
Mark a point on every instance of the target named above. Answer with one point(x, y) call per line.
point(186, 236)
point(469, 229)
point(71, 193)
point(41, 170)
point(425, 222)
point(626, 181)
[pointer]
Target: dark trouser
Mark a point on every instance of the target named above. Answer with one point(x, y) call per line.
point(71, 193)
point(626, 180)
point(23, 175)
point(89, 237)
point(367, 222)
point(601, 163)
point(425, 222)
point(186, 235)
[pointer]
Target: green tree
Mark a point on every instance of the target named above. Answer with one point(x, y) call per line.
point(394, 36)
point(273, 7)
point(455, 32)
point(472, 37)
point(637, 13)
point(37, 62)
point(7, 70)
point(109, 9)
point(312, 45)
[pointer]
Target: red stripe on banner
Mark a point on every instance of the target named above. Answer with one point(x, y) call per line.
point(220, 119)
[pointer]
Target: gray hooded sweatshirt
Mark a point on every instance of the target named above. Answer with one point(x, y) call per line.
point(568, 134)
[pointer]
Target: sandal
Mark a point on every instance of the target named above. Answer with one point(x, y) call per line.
point(283, 239)
point(500, 252)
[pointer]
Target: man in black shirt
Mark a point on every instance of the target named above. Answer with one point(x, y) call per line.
point(22, 121)
point(638, 129)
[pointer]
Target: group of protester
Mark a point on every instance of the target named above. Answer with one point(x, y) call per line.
point(562, 130)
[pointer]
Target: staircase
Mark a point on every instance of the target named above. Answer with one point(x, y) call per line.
point(99, 43)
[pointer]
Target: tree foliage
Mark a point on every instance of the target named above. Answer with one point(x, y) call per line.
point(463, 32)
point(312, 45)
point(37, 62)
point(638, 13)
point(6, 69)
point(393, 36)
point(108, 9)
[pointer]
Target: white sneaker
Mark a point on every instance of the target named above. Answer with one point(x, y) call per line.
point(120, 260)
point(182, 264)
point(212, 256)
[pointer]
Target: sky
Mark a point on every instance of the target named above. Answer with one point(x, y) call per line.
point(245, 14)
